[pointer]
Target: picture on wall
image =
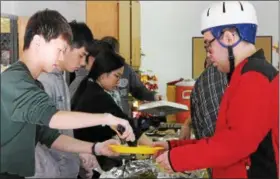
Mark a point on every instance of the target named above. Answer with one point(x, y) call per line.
point(199, 54)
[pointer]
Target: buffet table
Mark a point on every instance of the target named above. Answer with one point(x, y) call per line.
point(143, 166)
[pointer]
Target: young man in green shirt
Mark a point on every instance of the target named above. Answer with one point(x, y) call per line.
point(50, 163)
point(29, 116)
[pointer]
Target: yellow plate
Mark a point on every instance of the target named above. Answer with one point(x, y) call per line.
point(135, 150)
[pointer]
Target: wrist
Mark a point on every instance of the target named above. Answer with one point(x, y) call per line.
point(107, 117)
point(94, 149)
point(168, 145)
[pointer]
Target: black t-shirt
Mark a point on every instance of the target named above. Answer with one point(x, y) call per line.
point(96, 100)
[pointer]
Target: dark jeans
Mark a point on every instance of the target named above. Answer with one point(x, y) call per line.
point(10, 176)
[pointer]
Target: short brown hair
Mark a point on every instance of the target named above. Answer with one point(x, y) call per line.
point(48, 23)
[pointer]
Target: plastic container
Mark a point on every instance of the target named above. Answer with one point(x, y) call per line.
point(183, 92)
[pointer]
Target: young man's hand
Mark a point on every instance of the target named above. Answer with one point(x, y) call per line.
point(103, 148)
point(88, 161)
point(85, 174)
point(113, 122)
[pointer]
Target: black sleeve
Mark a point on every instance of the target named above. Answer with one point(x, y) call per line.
point(101, 102)
point(137, 88)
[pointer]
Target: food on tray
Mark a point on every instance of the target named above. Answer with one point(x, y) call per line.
point(146, 169)
point(170, 126)
point(155, 132)
point(147, 174)
point(151, 132)
point(161, 133)
point(170, 132)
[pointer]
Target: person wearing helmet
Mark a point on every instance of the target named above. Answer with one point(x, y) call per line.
point(245, 142)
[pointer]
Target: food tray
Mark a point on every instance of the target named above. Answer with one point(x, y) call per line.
point(147, 169)
point(162, 108)
point(163, 126)
point(135, 150)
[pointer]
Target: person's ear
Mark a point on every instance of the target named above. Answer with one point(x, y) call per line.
point(91, 60)
point(37, 41)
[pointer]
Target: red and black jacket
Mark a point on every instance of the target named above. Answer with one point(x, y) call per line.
point(245, 143)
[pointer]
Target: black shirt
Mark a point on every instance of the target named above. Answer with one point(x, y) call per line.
point(95, 100)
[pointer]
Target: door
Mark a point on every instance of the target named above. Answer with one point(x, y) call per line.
point(102, 18)
point(135, 35)
point(125, 30)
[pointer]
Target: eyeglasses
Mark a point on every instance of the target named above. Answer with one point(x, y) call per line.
point(207, 45)
point(116, 76)
point(87, 57)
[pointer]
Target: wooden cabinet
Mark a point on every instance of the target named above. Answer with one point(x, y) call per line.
point(22, 22)
point(120, 19)
point(100, 14)
point(124, 26)
point(135, 35)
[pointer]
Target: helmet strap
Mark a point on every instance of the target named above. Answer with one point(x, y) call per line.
point(231, 62)
point(231, 57)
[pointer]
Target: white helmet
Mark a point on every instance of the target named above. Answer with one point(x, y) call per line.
point(239, 14)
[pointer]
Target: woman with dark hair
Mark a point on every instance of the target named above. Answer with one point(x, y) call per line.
point(130, 82)
point(94, 95)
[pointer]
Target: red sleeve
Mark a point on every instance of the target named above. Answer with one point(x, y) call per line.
point(177, 143)
point(247, 117)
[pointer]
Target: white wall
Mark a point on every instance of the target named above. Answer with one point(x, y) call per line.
point(69, 9)
point(7, 7)
point(167, 29)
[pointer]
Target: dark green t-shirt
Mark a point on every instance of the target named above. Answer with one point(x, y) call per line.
point(26, 111)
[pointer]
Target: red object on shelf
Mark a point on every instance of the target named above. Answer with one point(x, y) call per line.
point(183, 92)
point(174, 82)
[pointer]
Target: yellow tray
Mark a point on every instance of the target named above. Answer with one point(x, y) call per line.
point(135, 150)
